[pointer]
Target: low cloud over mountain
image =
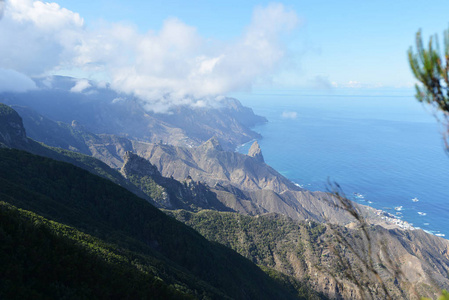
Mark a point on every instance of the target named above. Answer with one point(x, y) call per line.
point(174, 65)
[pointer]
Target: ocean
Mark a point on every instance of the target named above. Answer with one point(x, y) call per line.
point(384, 151)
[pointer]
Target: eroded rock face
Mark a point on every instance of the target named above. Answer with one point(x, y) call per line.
point(256, 152)
point(210, 164)
point(211, 144)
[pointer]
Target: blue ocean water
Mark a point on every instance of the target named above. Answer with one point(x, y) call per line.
point(387, 149)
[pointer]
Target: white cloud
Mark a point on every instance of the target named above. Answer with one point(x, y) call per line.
point(44, 15)
point(2, 8)
point(289, 115)
point(36, 37)
point(80, 86)
point(353, 84)
point(13, 81)
point(174, 65)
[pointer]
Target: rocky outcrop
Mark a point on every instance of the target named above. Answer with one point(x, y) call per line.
point(213, 144)
point(256, 152)
point(136, 165)
point(166, 192)
point(210, 164)
point(12, 132)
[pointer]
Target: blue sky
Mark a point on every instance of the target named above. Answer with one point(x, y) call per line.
point(342, 41)
point(317, 45)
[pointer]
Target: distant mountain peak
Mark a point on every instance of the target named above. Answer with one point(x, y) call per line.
point(256, 152)
point(12, 132)
point(213, 144)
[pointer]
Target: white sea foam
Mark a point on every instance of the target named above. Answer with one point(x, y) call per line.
point(238, 148)
point(298, 185)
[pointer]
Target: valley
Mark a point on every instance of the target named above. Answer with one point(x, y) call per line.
point(306, 241)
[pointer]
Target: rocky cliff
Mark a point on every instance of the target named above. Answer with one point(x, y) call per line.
point(243, 183)
point(209, 163)
point(12, 132)
point(256, 152)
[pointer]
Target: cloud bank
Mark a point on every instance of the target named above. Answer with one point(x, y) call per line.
point(174, 65)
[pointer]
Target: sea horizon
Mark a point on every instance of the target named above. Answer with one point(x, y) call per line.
point(385, 151)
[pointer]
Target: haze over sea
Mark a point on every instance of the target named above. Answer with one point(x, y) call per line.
point(383, 150)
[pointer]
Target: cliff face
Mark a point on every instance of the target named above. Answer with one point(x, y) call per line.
point(12, 132)
point(242, 183)
point(256, 152)
point(210, 164)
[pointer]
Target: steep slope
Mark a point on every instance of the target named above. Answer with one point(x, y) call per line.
point(13, 135)
point(230, 122)
point(243, 183)
point(256, 152)
point(74, 197)
point(102, 111)
point(309, 250)
point(167, 192)
point(74, 137)
point(41, 259)
point(209, 163)
point(239, 182)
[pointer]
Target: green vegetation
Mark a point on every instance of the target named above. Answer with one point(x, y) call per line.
point(271, 241)
point(167, 192)
point(42, 259)
point(127, 231)
point(149, 187)
point(6, 111)
point(431, 68)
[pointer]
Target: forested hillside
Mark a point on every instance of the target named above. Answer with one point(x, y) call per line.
point(152, 241)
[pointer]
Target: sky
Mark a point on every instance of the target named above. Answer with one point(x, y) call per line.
point(174, 52)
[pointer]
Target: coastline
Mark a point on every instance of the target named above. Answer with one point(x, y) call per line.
point(375, 216)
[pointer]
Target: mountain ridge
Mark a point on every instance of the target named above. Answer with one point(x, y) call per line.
point(256, 196)
point(67, 194)
point(102, 111)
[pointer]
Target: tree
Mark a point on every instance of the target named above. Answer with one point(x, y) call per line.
point(431, 68)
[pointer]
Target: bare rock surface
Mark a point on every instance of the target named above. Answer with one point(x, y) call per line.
point(255, 152)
